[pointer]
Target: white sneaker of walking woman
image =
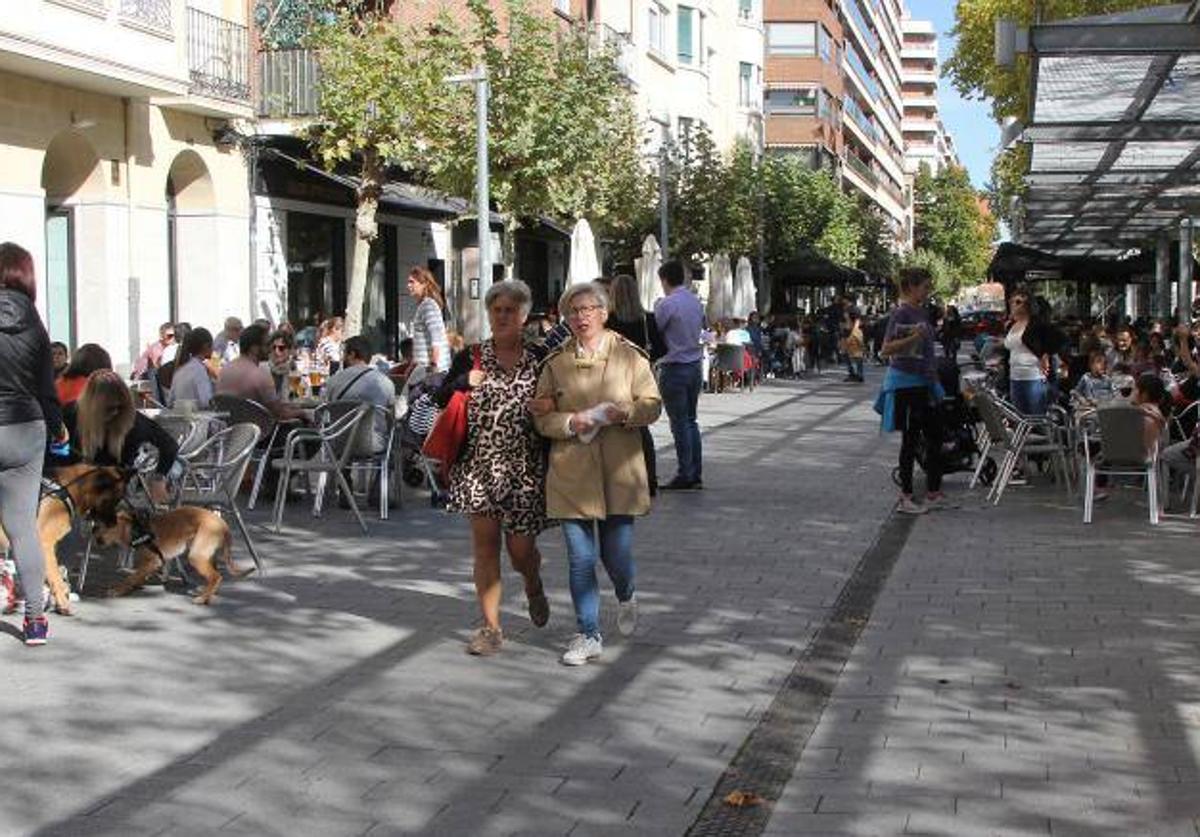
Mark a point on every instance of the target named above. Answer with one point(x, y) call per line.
point(907, 505)
point(582, 649)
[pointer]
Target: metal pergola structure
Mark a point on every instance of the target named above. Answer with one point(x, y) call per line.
point(1115, 139)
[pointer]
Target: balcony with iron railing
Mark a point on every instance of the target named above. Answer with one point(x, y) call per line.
point(862, 169)
point(621, 43)
point(218, 57)
point(288, 81)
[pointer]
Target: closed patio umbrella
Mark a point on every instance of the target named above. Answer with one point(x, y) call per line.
point(646, 267)
point(585, 265)
point(720, 289)
point(745, 297)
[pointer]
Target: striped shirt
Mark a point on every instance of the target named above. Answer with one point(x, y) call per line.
point(429, 330)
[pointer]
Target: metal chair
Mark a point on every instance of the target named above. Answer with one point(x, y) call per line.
point(334, 440)
point(1011, 436)
point(1124, 451)
point(248, 411)
point(730, 359)
point(215, 472)
point(364, 458)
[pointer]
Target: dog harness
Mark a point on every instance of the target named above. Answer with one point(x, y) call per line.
point(52, 488)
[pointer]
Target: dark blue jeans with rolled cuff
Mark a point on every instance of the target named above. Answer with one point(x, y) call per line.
point(679, 384)
point(609, 541)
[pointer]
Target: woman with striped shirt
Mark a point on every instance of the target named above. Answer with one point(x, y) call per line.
point(431, 350)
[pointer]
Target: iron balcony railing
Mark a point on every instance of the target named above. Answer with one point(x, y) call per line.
point(288, 81)
point(622, 43)
point(862, 168)
point(218, 56)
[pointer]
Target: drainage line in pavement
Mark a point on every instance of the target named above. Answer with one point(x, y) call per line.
point(765, 762)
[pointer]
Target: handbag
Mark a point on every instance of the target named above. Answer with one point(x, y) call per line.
point(449, 433)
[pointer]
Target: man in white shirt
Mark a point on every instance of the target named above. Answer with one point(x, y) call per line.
point(359, 380)
point(225, 344)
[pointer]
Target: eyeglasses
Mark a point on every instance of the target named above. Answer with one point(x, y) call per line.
point(584, 310)
point(170, 336)
point(280, 347)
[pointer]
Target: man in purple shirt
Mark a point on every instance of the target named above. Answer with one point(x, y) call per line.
point(680, 317)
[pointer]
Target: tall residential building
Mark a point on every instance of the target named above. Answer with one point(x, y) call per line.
point(926, 140)
point(687, 62)
point(116, 169)
point(833, 92)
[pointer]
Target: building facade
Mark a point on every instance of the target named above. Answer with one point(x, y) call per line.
point(925, 137)
point(115, 169)
point(833, 93)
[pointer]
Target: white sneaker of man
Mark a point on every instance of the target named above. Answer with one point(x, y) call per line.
point(627, 616)
point(907, 505)
point(582, 649)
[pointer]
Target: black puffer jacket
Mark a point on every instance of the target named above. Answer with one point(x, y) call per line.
point(26, 374)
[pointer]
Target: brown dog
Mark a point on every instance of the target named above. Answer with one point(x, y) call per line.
point(91, 492)
point(198, 534)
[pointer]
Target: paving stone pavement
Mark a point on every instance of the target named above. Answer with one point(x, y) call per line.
point(332, 696)
point(1021, 674)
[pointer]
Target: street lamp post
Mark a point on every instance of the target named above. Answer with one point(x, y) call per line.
point(479, 78)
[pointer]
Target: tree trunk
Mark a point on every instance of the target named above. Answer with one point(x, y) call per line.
point(365, 229)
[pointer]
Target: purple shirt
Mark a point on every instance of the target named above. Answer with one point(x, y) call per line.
point(680, 317)
point(919, 360)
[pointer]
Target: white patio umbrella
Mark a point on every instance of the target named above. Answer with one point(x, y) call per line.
point(585, 264)
point(745, 297)
point(720, 289)
point(649, 288)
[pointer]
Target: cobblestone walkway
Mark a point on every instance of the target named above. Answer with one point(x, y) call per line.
point(332, 697)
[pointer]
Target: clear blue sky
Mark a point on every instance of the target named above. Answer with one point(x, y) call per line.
point(970, 122)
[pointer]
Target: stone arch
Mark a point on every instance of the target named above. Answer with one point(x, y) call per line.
point(190, 184)
point(71, 169)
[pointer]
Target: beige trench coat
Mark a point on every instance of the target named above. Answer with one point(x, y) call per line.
point(608, 475)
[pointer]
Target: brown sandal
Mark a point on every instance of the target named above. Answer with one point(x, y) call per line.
point(485, 642)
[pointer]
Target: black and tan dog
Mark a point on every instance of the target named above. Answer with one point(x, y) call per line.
point(87, 492)
point(199, 535)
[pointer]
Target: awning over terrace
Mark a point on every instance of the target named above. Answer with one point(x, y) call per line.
point(1115, 133)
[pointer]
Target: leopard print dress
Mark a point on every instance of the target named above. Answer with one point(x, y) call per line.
point(502, 472)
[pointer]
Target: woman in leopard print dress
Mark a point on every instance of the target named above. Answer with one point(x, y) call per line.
point(499, 480)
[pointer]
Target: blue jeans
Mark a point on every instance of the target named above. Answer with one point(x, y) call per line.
point(1029, 397)
point(615, 548)
point(679, 384)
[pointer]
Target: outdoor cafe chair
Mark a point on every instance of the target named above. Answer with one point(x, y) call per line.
point(331, 443)
point(244, 410)
point(1124, 451)
point(730, 360)
point(214, 474)
point(365, 460)
point(1009, 438)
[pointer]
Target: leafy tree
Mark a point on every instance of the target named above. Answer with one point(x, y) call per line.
point(284, 24)
point(806, 209)
point(878, 243)
point(945, 278)
point(698, 212)
point(563, 134)
point(951, 223)
point(383, 102)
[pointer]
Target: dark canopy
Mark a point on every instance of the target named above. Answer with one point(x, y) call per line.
point(1013, 264)
point(813, 269)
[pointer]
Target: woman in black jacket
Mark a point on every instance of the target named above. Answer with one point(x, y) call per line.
point(1032, 342)
point(29, 411)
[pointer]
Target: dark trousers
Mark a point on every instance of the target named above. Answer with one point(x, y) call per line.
point(679, 384)
point(917, 416)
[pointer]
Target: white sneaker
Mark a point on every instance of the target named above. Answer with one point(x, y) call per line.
point(582, 649)
point(908, 505)
point(939, 502)
point(627, 616)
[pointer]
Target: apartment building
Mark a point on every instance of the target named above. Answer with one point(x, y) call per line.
point(925, 137)
point(833, 92)
point(116, 169)
point(692, 63)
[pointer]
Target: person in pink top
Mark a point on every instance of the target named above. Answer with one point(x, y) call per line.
point(152, 357)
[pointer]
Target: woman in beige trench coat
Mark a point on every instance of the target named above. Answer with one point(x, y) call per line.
point(603, 391)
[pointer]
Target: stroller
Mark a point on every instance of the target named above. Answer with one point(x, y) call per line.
point(959, 421)
point(415, 468)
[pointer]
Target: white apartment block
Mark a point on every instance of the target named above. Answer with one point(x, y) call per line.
point(114, 172)
point(926, 139)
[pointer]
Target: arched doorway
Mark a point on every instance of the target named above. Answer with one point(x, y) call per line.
point(190, 206)
point(70, 175)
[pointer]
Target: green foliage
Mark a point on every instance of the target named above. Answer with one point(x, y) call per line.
point(945, 277)
point(879, 250)
point(972, 68)
point(806, 209)
point(951, 224)
point(563, 133)
point(285, 24)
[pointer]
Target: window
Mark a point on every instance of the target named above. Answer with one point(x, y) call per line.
point(745, 9)
point(792, 39)
point(656, 26)
point(685, 130)
point(795, 102)
point(563, 7)
point(745, 84)
point(686, 19)
point(825, 44)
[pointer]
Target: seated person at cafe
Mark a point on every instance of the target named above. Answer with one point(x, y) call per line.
point(359, 380)
point(1095, 385)
point(281, 361)
point(193, 380)
point(248, 377)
